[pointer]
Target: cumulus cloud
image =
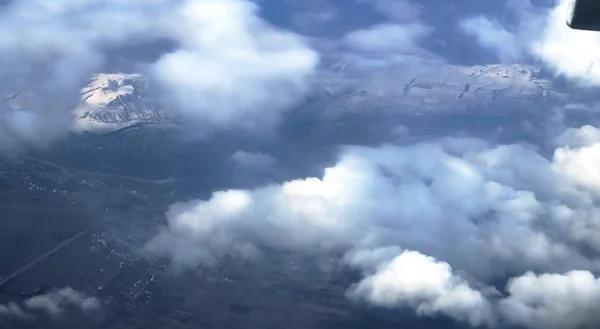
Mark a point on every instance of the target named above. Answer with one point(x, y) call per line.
point(508, 208)
point(541, 33)
point(54, 303)
point(244, 68)
point(228, 68)
point(553, 301)
point(430, 287)
point(376, 197)
point(577, 138)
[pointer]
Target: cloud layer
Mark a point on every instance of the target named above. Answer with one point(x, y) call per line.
point(404, 217)
point(425, 284)
point(553, 301)
point(54, 304)
point(541, 33)
point(392, 210)
point(228, 69)
point(232, 69)
point(392, 34)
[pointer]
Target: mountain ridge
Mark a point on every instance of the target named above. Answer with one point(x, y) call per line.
point(113, 101)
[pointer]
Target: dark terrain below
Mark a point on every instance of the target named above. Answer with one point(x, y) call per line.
point(78, 214)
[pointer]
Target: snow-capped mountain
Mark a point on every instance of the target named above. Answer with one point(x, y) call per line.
point(114, 101)
point(409, 90)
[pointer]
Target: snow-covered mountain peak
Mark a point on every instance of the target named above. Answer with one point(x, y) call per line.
point(106, 87)
point(116, 100)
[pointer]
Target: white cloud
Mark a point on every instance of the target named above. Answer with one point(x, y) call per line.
point(443, 200)
point(243, 71)
point(569, 52)
point(543, 34)
point(368, 260)
point(508, 208)
point(48, 50)
point(230, 67)
point(398, 39)
point(553, 301)
point(492, 35)
point(580, 164)
point(54, 303)
point(577, 138)
point(388, 38)
point(371, 48)
point(428, 286)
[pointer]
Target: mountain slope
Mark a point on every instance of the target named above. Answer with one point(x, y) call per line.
point(449, 88)
point(114, 101)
